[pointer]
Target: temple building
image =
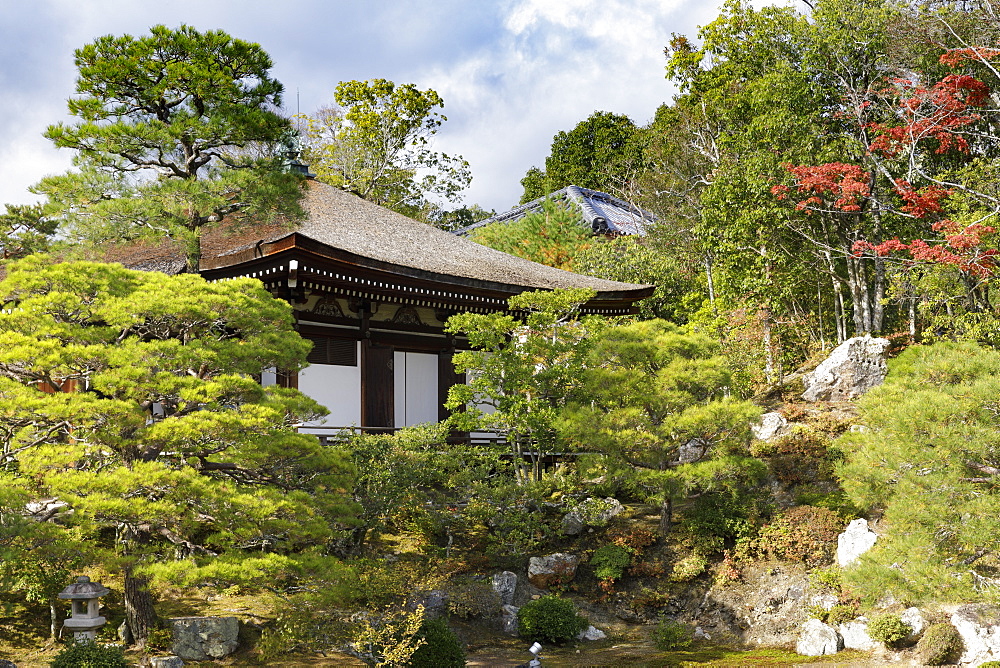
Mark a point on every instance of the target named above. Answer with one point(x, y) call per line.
point(372, 290)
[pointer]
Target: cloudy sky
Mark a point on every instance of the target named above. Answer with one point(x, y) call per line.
point(512, 73)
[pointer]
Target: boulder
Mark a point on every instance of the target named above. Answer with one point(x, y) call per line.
point(592, 512)
point(505, 584)
point(855, 541)
point(692, 451)
point(435, 602)
point(855, 635)
point(557, 568)
point(818, 639)
point(771, 425)
point(508, 622)
point(204, 638)
point(591, 633)
point(916, 620)
point(166, 662)
point(853, 368)
point(979, 626)
point(4, 663)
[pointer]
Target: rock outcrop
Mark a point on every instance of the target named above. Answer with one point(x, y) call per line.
point(557, 568)
point(505, 584)
point(818, 639)
point(591, 633)
point(855, 541)
point(855, 635)
point(166, 662)
point(979, 626)
point(204, 638)
point(771, 424)
point(592, 512)
point(853, 368)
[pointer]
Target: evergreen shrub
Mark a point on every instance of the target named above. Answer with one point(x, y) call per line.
point(939, 645)
point(89, 654)
point(670, 635)
point(549, 619)
point(889, 629)
point(610, 561)
point(441, 648)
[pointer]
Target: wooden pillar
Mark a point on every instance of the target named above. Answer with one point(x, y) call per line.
point(378, 387)
point(446, 377)
point(378, 407)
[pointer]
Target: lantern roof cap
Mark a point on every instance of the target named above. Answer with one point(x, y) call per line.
point(83, 588)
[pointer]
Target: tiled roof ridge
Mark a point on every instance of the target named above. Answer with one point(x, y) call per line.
point(576, 194)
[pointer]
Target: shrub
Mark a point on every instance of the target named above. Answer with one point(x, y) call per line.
point(803, 533)
point(670, 635)
point(441, 648)
point(889, 629)
point(610, 561)
point(840, 614)
point(941, 644)
point(688, 568)
point(89, 655)
point(990, 664)
point(634, 538)
point(549, 619)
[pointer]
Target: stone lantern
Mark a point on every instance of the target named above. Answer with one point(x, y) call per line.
point(86, 616)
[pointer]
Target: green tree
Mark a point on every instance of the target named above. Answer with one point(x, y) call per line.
point(377, 143)
point(553, 236)
point(177, 131)
point(521, 371)
point(650, 261)
point(603, 152)
point(25, 229)
point(130, 398)
point(928, 459)
point(646, 390)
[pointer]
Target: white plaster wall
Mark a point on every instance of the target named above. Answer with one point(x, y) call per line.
point(416, 388)
point(338, 388)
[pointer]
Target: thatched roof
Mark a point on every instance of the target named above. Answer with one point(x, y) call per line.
point(376, 237)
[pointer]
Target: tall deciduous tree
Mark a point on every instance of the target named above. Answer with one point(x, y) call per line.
point(130, 398)
point(377, 143)
point(177, 130)
point(603, 152)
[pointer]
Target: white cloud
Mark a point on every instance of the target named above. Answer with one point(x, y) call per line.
point(512, 72)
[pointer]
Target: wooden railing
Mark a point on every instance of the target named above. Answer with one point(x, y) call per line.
point(329, 435)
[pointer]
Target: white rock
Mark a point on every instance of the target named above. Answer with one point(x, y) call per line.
point(855, 635)
point(504, 585)
point(770, 426)
point(916, 620)
point(701, 634)
point(592, 633)
point(979, 626)
point(592, 512)
point(204, 638)
point(855, 541)
point(509, 620)
point(853, 368)
point(557, 568)
point(818, 639)
point(166, 662)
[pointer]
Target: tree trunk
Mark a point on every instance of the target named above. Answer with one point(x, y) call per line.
point(139, 613)
point(666, 515)
point(53, 619)
point(193, 264)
